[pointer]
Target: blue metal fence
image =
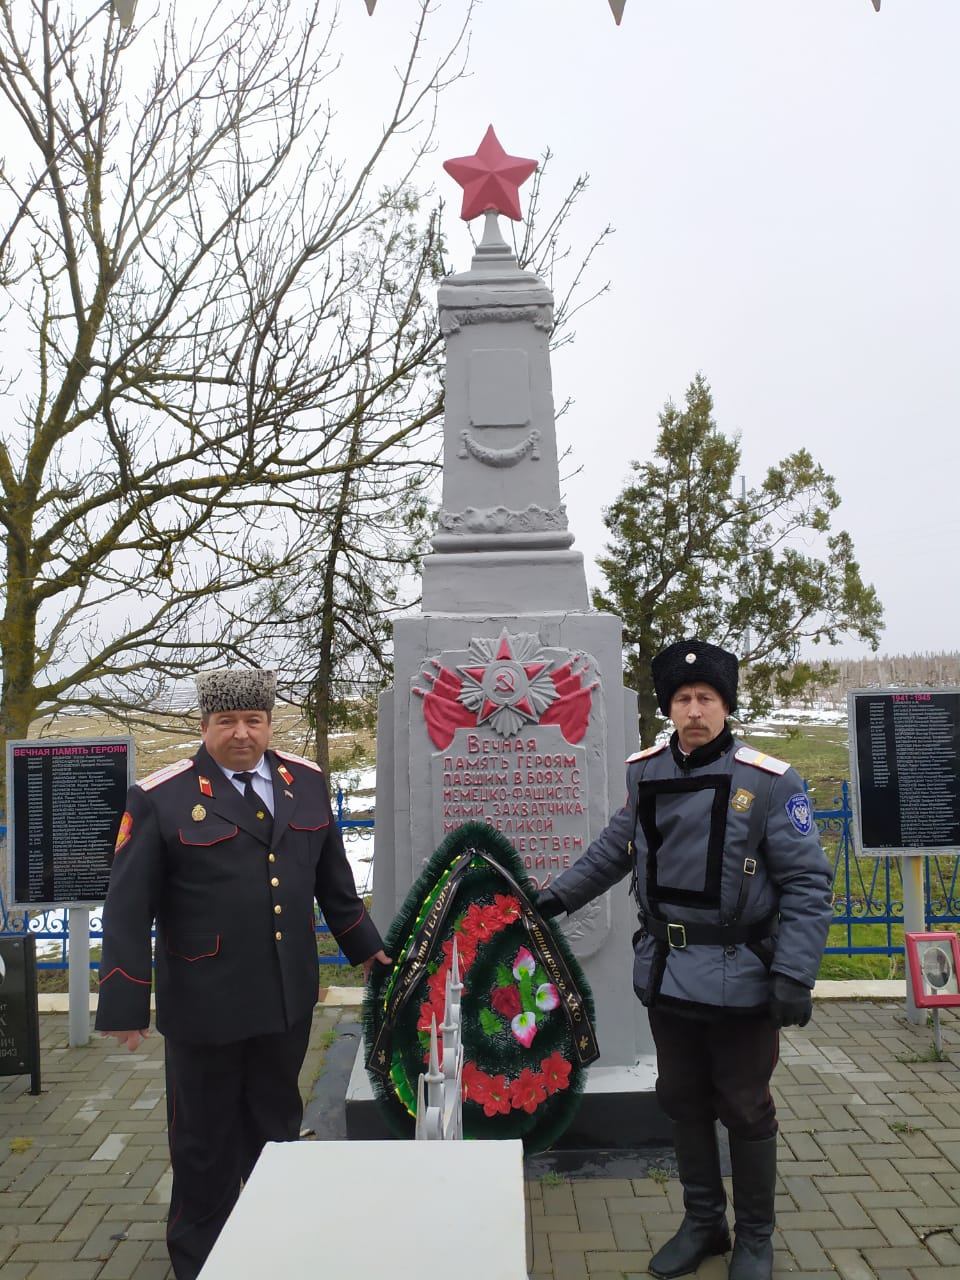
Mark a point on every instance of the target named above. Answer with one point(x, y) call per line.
point(867, 891)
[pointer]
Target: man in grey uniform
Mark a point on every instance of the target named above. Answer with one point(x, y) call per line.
point(734, 899)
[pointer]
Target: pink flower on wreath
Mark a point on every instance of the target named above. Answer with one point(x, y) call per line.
point(547, 997)
point(524, 1028)
point(528, 1091)
point(556, 1073)
point(506, 1001)
point(524, 963)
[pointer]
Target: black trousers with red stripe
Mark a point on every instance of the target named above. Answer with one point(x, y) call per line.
point(224, 1101)
point(710, 1069)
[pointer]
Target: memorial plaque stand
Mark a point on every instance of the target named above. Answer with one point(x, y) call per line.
point(905, 767)
point(933, 974)
point(66, 798)
point(78, 924)
point(911, 873)
point(19, 1017)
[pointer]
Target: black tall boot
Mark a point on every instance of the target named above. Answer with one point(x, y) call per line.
point(754, 1187)
point(704, 1230)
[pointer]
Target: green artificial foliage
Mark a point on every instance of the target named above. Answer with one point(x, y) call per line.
point(693, 551)
point(527, 1014)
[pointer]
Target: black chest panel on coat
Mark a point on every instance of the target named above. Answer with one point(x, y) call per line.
point(684, 823)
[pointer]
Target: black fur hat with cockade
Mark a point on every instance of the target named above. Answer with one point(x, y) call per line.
point(526, 1011)
point(695, 662)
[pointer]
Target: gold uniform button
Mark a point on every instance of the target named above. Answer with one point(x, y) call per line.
point(275, 882)
point(278, 935)
point(271, 857)
point(277, 909)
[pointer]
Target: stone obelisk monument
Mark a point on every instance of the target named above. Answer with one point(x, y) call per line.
point(508, 704)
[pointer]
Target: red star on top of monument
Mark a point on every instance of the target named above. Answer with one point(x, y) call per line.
point(490, 179)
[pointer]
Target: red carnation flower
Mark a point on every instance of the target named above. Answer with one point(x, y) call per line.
point(506, 1001)
point(528, 1091)
point(556, 1073)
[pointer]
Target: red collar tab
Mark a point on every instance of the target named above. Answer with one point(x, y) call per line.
point(285, 774)
point(206, 789)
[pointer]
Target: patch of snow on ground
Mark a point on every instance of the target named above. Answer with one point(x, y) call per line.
point(351, 781)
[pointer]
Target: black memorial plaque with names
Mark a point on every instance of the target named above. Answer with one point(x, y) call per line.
point(66, 799)
point(905, 761)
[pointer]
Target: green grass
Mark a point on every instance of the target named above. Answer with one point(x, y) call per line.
point(818, 753)
point(337, 975)
point(901, 1126)
point(933, 1054)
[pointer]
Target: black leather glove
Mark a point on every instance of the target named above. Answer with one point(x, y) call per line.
point(548, 904)
point(790, 1002)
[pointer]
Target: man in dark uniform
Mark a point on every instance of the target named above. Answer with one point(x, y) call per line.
point(734, 898)
point(227, 852)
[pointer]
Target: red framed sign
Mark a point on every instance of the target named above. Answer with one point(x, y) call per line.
point(934, 960)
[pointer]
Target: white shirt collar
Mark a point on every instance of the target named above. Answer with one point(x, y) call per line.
point(261, 767)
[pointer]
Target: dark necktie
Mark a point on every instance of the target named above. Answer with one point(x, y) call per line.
point(249, 794)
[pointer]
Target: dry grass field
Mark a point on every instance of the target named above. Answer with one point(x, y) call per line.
point(179, 736)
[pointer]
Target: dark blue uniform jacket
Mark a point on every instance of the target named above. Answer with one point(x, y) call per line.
point(233, 898)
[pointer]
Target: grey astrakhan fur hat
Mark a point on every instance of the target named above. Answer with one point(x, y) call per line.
point(236, 689)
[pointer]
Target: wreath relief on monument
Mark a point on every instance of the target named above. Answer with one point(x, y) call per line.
point(511, 684)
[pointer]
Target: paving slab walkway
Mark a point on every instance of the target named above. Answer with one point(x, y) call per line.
point(868, 1188)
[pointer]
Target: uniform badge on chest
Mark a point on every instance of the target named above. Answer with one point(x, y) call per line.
point(198, 813)
point(741, 800)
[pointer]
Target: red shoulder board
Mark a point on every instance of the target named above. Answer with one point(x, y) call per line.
point(288, 755)
point(747, 755)
point(646, 752)
point(165, 774)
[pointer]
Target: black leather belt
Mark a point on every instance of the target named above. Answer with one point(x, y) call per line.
point(679, 936)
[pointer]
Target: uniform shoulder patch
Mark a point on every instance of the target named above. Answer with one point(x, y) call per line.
point(647, 752)
point(165, 774)
point(288, 755)
point(798, 811)
point(747, 755)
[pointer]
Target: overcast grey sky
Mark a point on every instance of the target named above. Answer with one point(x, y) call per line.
point(784, 183)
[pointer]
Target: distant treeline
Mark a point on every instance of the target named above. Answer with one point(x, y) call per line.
point(920, 670)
